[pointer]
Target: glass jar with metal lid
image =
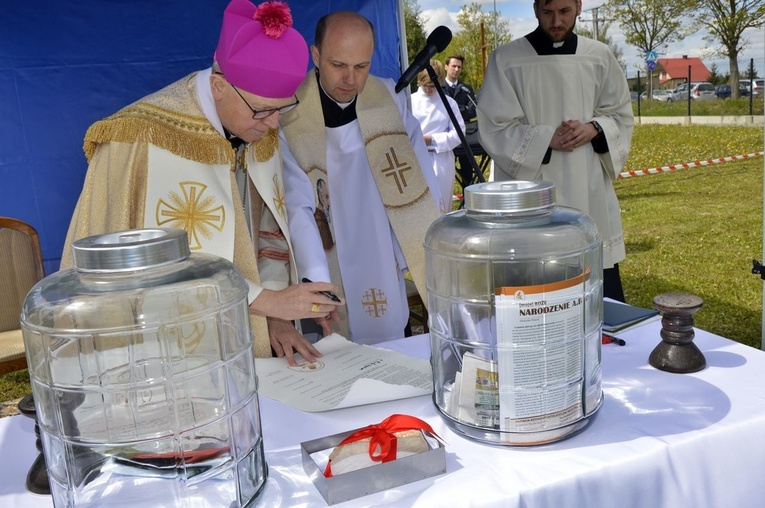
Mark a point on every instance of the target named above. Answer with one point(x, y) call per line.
point(142, 371)
point(514, 288)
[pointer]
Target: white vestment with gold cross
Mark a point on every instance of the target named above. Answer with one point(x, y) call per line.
point(164, 162)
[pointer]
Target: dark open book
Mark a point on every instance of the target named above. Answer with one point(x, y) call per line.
point(617, 316)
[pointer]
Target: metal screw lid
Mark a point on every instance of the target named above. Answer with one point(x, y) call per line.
point(509, 196)
point(131, 250)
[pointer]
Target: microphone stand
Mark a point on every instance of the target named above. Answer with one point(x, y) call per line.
point(460, 133)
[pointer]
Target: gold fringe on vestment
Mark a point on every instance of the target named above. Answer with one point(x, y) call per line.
point(186, 136)
point(189, 137)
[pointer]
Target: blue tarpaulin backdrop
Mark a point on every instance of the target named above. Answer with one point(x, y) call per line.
point(64, 65)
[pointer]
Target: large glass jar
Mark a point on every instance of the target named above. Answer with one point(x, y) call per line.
point(142, 371)
point(514, 288)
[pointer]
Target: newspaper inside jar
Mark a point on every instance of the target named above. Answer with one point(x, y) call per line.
point(515, 295)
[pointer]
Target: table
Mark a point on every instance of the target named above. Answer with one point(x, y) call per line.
point(659, 440)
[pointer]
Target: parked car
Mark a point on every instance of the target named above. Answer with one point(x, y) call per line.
point(723, 91)
point(657, 95)
point(633, 96)
point(698, 91)
point(757, 86)
point(679, 94)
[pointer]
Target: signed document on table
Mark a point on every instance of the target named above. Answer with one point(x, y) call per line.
point(348, 375)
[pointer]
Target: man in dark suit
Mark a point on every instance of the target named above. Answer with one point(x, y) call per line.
point(463, 95)
point(461, 92)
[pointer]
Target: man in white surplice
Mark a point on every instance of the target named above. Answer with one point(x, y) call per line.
point(355, 145)
point(556, 107)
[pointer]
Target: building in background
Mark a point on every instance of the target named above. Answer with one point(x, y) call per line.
point(674, 71)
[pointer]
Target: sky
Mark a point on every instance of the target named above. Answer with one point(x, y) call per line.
point(520, 15)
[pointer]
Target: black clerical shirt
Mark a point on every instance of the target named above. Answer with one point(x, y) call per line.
point(235, 141)
point(542, 44)
point(334, 115)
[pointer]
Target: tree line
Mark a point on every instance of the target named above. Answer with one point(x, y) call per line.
point(648, 25)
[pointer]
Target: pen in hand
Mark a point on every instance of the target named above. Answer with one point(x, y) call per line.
point(328, 294)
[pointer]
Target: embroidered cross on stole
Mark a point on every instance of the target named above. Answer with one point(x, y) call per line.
point(405, 194)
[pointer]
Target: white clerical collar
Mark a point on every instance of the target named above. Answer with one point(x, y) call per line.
point(342, 105)
point(557, 45)
point(206, 100)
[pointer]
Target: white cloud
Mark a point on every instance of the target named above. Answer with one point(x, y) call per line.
point(438, 17)
point(519, 27)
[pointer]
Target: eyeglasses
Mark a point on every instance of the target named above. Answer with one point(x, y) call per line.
point(265, 113)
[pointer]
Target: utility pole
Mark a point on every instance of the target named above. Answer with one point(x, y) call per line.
point(483, 49)
point(595, 22)
point(495, 24)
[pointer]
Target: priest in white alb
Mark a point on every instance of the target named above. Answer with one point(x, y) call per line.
point(360, 191)
point(555, 106)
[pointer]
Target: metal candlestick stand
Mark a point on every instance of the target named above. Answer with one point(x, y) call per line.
point(676, 352)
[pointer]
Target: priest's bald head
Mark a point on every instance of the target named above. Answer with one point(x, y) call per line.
point(342, 53)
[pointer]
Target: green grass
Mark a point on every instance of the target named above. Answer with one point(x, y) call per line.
point(696, 230)
point(718, 107)
point(662, 145)
point(14, 385)
point(691, 230)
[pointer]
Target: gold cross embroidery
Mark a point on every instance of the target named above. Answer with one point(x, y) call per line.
point(374, 302)
point(278, 196)
point(396, 169)
point(192, 212)
point(241, 159)
point(188, 336)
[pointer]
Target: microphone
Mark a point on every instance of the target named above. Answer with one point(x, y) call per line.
point(470, 97)
point(436, 43)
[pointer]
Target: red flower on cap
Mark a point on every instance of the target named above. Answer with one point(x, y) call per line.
point(275, 18)
point(259, 51)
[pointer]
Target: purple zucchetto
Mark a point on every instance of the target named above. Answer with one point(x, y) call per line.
point(259, 51)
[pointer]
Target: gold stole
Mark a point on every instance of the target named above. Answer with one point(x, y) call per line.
point(396, 170)
point(170, 119)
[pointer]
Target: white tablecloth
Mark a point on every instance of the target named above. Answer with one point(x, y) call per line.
point(659, 440)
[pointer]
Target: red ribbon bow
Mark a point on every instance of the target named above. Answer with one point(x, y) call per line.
point(382, 435)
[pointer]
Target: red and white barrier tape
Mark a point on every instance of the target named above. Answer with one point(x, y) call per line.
point(651, 171)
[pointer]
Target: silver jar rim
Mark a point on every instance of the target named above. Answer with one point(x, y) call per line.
point(130, 250)
point(509, 196)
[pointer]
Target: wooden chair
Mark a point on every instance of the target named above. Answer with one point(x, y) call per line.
point(21, 267)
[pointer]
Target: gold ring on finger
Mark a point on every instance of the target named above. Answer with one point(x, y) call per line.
point(315, 308)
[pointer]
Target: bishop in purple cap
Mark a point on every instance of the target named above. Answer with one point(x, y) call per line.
point(203, 154)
